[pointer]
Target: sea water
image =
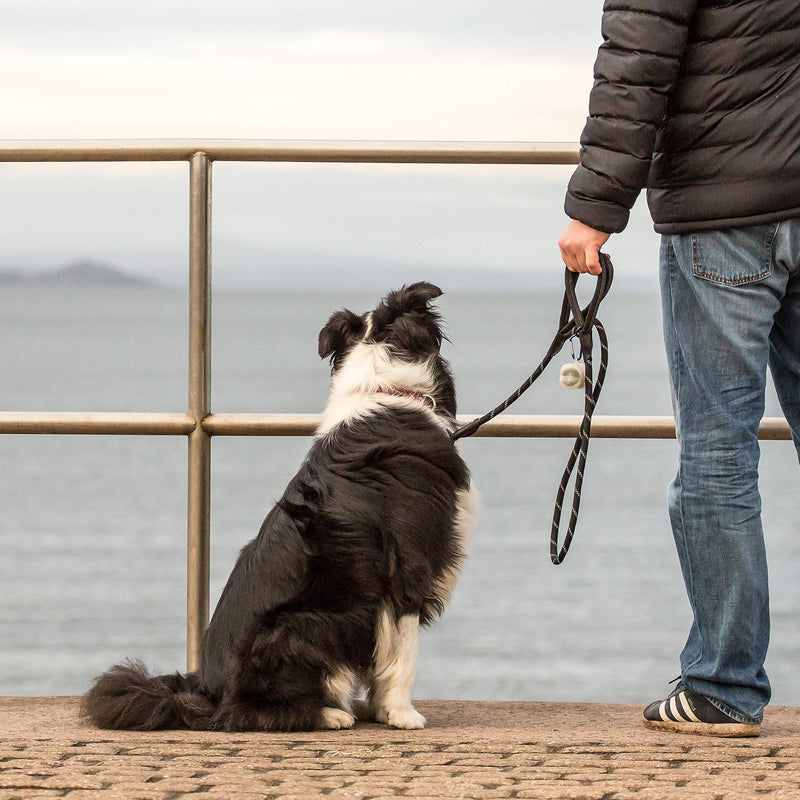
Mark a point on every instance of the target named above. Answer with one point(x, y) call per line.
point(93, 530)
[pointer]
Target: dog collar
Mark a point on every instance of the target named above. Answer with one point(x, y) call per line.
point(426, 399)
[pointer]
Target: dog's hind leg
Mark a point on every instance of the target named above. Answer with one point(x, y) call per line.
point(394, 671)
point(335, 719)
point(341, 689)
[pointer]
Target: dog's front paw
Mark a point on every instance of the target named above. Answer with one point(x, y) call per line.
point(334, 719)
point(406, 718)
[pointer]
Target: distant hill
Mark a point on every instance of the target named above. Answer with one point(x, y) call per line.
point(243, 268)
point(84, 273)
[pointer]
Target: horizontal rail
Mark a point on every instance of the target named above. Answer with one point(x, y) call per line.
point(373, 152)
point(523, 426)
point(97, 423)
point(261, 424)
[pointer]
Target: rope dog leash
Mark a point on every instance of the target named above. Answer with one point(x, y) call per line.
point(573, 322)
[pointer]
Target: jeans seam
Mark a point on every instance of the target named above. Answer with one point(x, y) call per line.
point(679, 370)
point(730, 281)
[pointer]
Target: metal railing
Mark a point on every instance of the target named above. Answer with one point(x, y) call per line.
point(199, 424)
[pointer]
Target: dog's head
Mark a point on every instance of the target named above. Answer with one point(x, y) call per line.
point(407, 327)
point(404, 321)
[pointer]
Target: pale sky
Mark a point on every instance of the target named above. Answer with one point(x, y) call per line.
point(508, 70)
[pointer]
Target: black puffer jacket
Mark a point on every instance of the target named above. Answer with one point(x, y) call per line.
point(699, 100)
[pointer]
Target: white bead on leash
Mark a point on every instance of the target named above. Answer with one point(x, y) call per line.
point(573, 374)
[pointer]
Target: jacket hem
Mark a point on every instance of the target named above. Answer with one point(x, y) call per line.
point(695, 226)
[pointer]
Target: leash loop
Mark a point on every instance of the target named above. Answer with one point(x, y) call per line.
point(574, 321)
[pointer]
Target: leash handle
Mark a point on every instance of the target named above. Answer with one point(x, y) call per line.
point(585, 321)
point(584, 317)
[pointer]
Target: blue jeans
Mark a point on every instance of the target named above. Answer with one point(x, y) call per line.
point(731, 305)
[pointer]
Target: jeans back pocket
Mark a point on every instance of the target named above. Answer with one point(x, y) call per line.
point(735, 256)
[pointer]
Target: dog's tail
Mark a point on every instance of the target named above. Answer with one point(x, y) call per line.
point(127, 697)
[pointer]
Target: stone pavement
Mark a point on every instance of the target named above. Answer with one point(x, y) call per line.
point(469, 750)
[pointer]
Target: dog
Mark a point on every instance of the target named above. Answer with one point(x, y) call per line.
point(318, 622)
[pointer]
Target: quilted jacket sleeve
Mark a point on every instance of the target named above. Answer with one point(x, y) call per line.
point(636, 67)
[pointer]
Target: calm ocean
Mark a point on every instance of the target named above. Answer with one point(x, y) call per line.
point(92, 529)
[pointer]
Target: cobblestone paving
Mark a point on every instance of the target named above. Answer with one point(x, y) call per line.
point(468, 750)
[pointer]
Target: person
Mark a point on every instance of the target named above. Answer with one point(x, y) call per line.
point(699, 102)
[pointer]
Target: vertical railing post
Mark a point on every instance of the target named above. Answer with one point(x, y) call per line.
point(199, 456)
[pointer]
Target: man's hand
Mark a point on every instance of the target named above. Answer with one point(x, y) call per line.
point(580, 247)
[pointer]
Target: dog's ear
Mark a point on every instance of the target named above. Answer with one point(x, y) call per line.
point(406, 318)
point(411, 299)
point(414, 297)
point(343, 328)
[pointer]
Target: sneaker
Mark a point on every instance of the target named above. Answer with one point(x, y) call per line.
point(685, 711)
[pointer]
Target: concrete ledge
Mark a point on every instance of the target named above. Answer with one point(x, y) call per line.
point(468, 750)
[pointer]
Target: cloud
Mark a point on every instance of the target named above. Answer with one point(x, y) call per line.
point(524, 26)
point(330, 84)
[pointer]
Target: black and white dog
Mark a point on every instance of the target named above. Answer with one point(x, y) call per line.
point(365, 544)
